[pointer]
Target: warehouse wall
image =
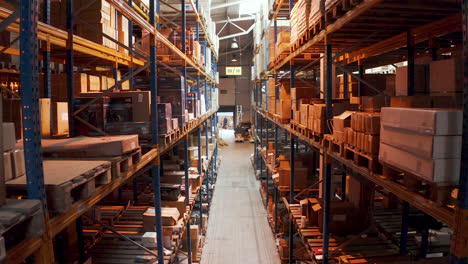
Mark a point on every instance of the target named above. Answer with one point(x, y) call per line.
point(236, 90)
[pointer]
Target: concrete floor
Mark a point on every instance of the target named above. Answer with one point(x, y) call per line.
point(238, 230)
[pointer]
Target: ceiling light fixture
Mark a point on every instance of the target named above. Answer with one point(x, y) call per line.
point(234, 44)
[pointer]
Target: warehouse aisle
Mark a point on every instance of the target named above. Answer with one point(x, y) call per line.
point(238, 231)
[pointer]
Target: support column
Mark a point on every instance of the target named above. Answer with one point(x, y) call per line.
point(404, 228)
point(80, 240)
point(361, 76)
point(291, 201)
point(69, 69)
point(153, 71)
point(327, 179)
point(46, 52)
point(184, 50)
point(188, 191)
point(130, 47)
point(200, 172)
point(207, 169)
point(266, 167)
point(459, 245)
point(345, 85)
point(411, 55)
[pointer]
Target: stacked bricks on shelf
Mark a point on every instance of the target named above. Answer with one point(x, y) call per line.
point(424, 144)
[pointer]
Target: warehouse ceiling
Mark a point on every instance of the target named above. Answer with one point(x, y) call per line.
point(234, 19)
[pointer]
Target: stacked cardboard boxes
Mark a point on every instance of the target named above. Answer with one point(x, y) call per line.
point(362, 132)
point(423, 142)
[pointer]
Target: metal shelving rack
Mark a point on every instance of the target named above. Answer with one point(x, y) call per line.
point(389, 40)
point(75, 51)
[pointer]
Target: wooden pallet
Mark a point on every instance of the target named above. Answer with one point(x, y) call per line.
point(362, 159)
point(280, 119)
point(67, 181)
point(332, 145)
point(437, 192)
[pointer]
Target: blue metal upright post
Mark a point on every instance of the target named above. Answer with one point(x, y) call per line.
point(458, 250)
point(291, 201)
point(411, 63)
point(184, 50)
point(80, 240)
point(188, 191)
point(327, 180)
point(69, 69)
point(261, 147)
point(404, 228)
point(30, 102)
point(207, 171)
point(46, 53)
point(200, 172)
point(276, 194)
point(130, 47)
point(153, 71)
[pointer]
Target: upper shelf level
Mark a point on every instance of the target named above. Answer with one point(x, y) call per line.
point(359, 29)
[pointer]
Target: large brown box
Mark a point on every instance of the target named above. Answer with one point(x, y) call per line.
point(44, 112)
point(432, 170)
point(300, 177)
point(372, 123)
point(426, 146)
point(12, 113)
point(9, 139)
point(169, 217)
point(446, 76)
point(304, 110)
point(284, 109)
point(302, 92)
point(424, 121)
point(60, 118)
point(374, 103)
point(108, 146)
point(420, 80)
point(342, 218)
point(179, 204)
point(411, 101)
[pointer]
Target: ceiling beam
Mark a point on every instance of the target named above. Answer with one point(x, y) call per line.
point(236, 19)
point(228, 4)
point(238, 34)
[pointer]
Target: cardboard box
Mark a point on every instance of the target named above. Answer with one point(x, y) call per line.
point(108, 146)
point(424, 121)
point(60, 118)
point(169, 217)
point(300, 177)
point(94, 83)
point(421, 77)
point(44, 112)
point(446, 76)
point(179, 204)
point(342, 121)
point(372, 123)
point(284, 109)
point(7, 166)
point(374, 103)
point(9, 139)
point(417, 101)
point(425, 146)
point(372, 144)
point(342, 218)
point(18, 163)
point(302, 93)
point(432, 170)
point(304, 110)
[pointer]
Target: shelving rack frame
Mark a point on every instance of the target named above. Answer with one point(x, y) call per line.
point(25, 21)
point(375, 47)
